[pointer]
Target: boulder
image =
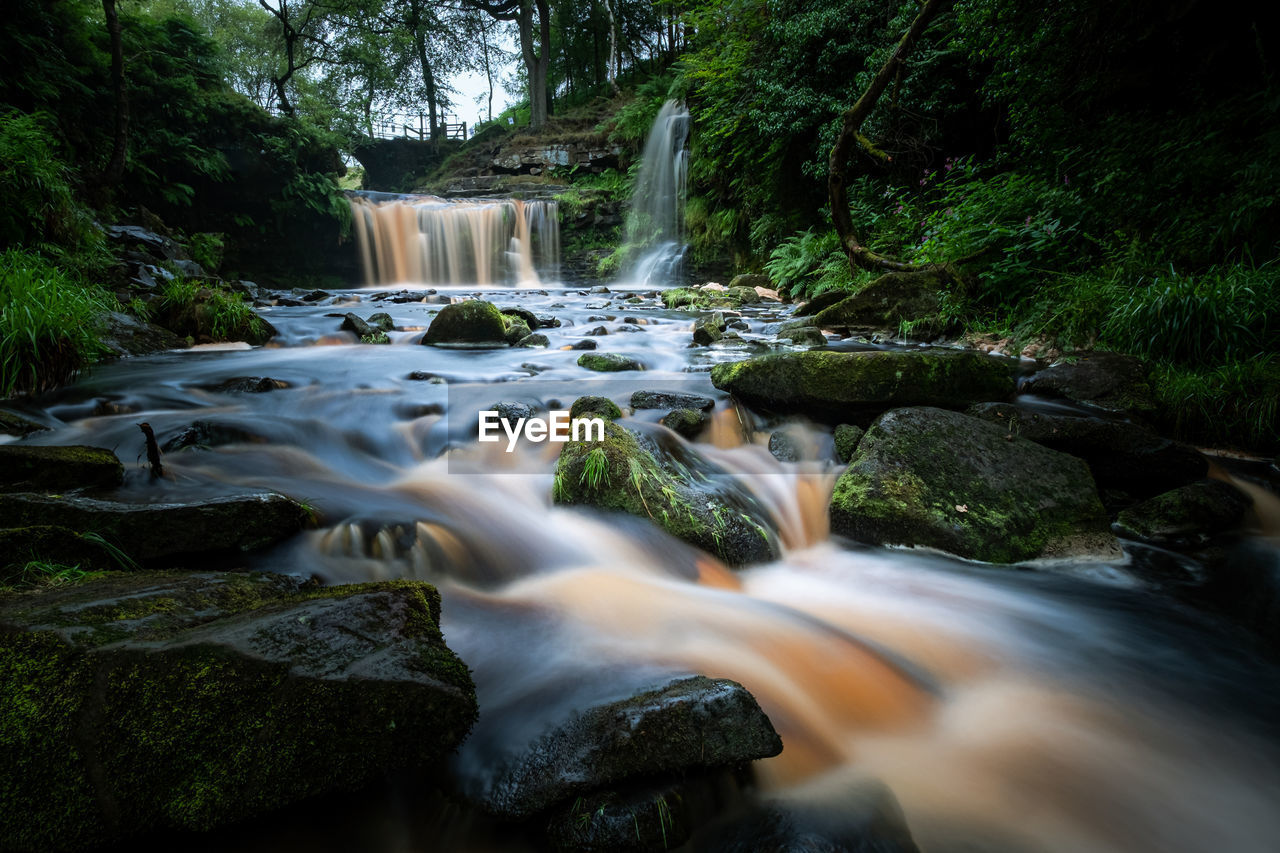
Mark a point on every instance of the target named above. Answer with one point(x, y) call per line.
point(857, 385)
point(530, 319)
point(534, 340)
point(25, 467)
point(608, 362)
point(147, 702)
point(708, 330)
point(470, 322)
point(926, 476)
point(12, 423)
point(124, 334)
point(164, 531)
point(686, 422)
point(822, 301)
point(1185, 517)
point(1121, 454)
point(743, 295)
point(248, 385)
point(690, 724)
point(886, 303)
point(585, 343)
point(670, 400)
point(1107, 380)
point(804, 336)
point(847, 437)
point(618, 474)
point(50, 545)
point(784, 446)
point(589, 407)
point(381, 322)
point(517, 329)
point(750, 281)
point(356, 325)
point(213, 433)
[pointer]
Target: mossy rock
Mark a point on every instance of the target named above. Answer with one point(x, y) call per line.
point(472, 322)
point(12, 423)
point(686, 422)
point(858, 385)
point(517, 329)
point(689, 724)
point(58, 468)
point(534, 340)
point(530, 319)
point(145, 702)
point(750, 281)
point(847, 437)
point(931, 477)
point(708, 330)
point(608, 362)
point(742, 295)
point(155, 532)
point(888, 302)
point(50, 544)
point(686, 297)
point(618, 474)
point(1185, 517)
point(591, 406)
point(671, 400)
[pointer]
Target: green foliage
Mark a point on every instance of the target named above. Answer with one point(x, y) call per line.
point(37, 202)
point(595, 469)
point(211, 311)
point(206, 250)
point(809, 263)
point(1233, 403)
point(632, 122)
point(49, 324)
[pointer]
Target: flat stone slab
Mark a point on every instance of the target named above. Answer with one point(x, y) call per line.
point(57, 468)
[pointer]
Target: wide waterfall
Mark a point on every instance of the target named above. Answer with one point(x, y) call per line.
point(429, 240)
point(657, 210)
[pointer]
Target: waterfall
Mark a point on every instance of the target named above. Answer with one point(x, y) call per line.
point(655, 225)
point(429, 240)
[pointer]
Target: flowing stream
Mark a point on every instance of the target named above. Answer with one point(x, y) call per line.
point(1031, 711)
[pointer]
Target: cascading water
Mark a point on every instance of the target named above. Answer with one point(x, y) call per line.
point(655, 224)
point(429, 240)
point(1006, 710)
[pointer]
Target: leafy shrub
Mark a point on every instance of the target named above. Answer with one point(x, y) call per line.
point(1237, 402)
point(37, 203)
point(49, 324)
point(632, 122)
point(809, 263)
point(193, 309)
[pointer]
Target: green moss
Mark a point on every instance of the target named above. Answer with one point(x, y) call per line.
point(608, 362)
point(591, 406)
point(472, 322)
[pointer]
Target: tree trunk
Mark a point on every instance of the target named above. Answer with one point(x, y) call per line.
point(838, 163)
point(614, 56)
point(535, 65)
point(120, 138)
point(428, 75)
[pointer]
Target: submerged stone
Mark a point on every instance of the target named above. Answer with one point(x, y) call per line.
point(690, 724)
point(686, 422)
point(12, 423)
point(57, 468)
point(670, 400)
point(472, 322)
point(1108, 380)
point(140, 702)
point(857, 384)
point(931, 477)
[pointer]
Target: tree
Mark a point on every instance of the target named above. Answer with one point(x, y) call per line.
point(120, 137)
point(536, 53)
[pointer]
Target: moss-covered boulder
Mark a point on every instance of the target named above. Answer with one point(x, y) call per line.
point(858, 385)
point(686, 725)
point(473, 322)
point(671, 400)
point(1122, 454)
point(592, 406)
point(140, 702)
point(50, 546)
point(12, 423)
point(886, 304)
point(57, 468)
point(517, 329)
point(608, 362)
point(708, 330)
point(931, 477)
point(1107, 380)
point(153, 532)
point(686, 422)
point(618, 474)
point(1185, 517)
point(846, 437)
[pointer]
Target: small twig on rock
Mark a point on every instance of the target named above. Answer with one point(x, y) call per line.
point(153, 451)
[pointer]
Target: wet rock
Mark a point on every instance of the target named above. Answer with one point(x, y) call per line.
point(127, 335)
point(886, 303)
point(684, 297)
point(50, 544)
point(584, 344)
point(647, 818)
point(381, 321)
point(512, 412)
point(1185, 517)
point(546, 321)
point(608, 362)
point(148, 241)
point(690, 724)
point(591, 406)
point(470, 322)
point(820, 302)
point(708, 330)
point(805, 336)
point(926, 476)
point(743, 295)
point(867, 819)
point(25, 467)
point(530, 319)
point(847, 437)
point(317, 295)
point(784, 446)
point(164, 531)
point(1121, 454)
point(205, 434)
point(534, 340)
point(1107, 380)
point(517, 330)
point(847, 385)
point(670, 400)
point(618, 474)
point(12, 423)
point(426, 376)
point(148, 702)
point(598, 331)
point(248, 385)
point(686, 422)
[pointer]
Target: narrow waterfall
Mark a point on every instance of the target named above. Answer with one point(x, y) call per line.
point(655, 226)
point(429, 240)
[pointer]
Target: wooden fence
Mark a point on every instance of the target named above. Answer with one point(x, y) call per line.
point(416, 127)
